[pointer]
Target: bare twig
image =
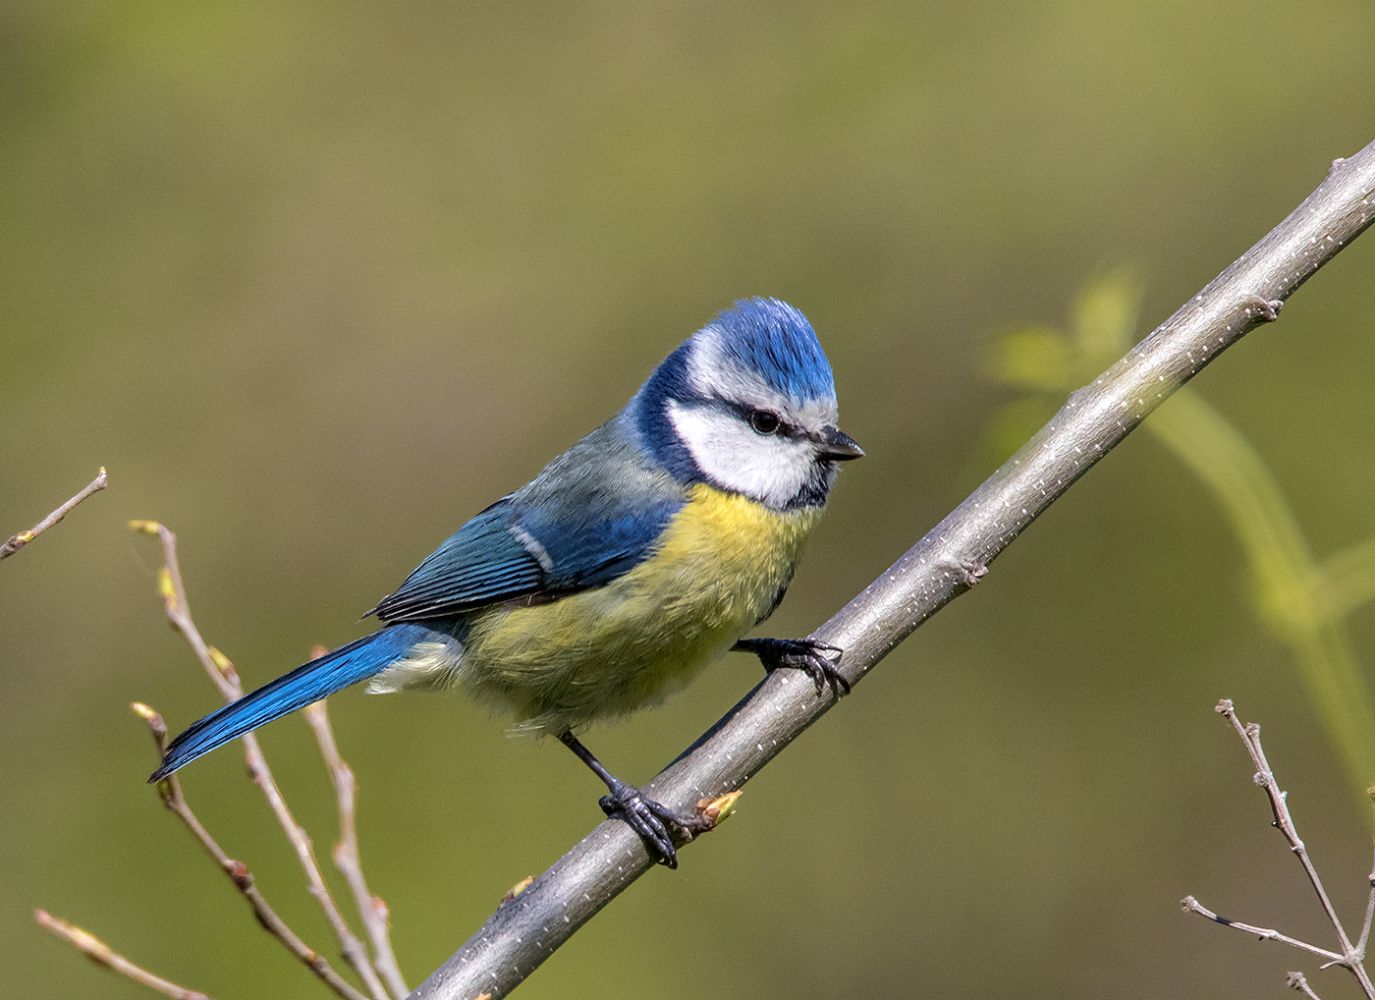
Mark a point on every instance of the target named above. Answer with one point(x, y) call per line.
point(16, 542)
point(222, 673)
point(102, 954)
point(940, 567)
point(1369, 914)
point(236, 871)
point(1191, 905)
point(1284, 822)
point(371, 909)
point(1298, 982)
point(1350, 957)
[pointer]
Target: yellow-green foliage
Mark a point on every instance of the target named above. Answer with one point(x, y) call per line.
point(1302, 599)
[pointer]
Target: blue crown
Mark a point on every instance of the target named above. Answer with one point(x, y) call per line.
point(765, 337)
point(775, 341)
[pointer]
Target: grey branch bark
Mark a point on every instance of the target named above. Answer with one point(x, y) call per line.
point(947, 561)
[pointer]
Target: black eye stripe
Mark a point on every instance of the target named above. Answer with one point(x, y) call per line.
point(747, 413)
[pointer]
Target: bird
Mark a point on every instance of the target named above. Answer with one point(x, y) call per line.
point(632, 560)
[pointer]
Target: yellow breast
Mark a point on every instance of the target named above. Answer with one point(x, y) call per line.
point(716, 571)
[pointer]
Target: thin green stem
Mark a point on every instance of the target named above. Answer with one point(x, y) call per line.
point(1348, 579)
point(1291, 586)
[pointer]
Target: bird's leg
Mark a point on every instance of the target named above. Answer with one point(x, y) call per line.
point(806, 655)
point(651, 820)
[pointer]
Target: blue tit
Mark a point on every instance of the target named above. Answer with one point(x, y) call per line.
point(635, 558)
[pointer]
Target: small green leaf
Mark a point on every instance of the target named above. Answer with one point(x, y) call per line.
point(1105, 316)
point(1036, 357)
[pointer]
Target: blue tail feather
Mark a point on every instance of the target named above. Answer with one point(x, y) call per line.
point(308, 683)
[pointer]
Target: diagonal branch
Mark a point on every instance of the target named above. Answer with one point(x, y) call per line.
point(371, 909)
point(1369, 914)
point(222, 673)
point(1284, 822)
point(16, 542)
point(944, 564)
point(169, 789)
point(102, 954)
point(1191, 905)
point(1351, 957)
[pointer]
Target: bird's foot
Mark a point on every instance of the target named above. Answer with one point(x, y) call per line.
point(817, 660)
point(653, 821)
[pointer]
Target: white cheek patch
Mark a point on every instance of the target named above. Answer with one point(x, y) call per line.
point(769, 468)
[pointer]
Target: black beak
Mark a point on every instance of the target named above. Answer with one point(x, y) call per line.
point(838, 446)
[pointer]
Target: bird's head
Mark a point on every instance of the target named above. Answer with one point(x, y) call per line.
point(748, 405)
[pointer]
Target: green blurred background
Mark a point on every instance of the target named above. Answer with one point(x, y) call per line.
point(317, 283)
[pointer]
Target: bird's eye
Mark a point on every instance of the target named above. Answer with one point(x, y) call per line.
point(764, 421)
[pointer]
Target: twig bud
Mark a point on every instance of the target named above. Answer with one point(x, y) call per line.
point(92, 946)
point(514, 891)
point(719, 808)
point(238, 871)
point(149, 715)
point(223, 664)
point(157, 725)
point(167, 589)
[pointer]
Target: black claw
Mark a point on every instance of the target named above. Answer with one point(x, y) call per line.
point(806, 655)
point(653, 821)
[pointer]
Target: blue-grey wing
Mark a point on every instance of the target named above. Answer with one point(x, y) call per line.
point(593, 514)
point(480, 563)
